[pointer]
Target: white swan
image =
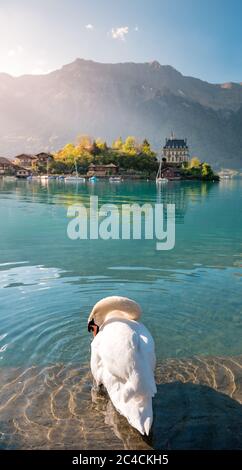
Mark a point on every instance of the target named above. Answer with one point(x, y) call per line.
point(123, 359)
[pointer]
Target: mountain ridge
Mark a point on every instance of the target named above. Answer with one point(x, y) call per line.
point(43, 112)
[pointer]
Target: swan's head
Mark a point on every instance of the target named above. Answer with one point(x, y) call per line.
point(112, 307)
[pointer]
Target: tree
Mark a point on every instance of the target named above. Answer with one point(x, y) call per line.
point(68, 153)
point(59, 167)
point(84, 142)
point(145, 147)
point(207, 171)
point(83, 161)
point(130, 145)
point(102, 145)
point(95, 150)
point(118, 144)
point(195, 163)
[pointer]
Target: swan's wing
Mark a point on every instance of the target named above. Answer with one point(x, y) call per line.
point(96, 358)
point(113, 352)
point(124, 354)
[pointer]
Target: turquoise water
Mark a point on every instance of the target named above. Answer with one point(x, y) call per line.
point(191, 296)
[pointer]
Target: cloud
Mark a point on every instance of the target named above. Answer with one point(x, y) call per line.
point(89, 26)
point(119, 33)
point(136, 28)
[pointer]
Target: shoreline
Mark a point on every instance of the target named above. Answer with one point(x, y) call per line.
point(60, 178)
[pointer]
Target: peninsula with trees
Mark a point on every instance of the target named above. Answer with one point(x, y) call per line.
point(127, 158)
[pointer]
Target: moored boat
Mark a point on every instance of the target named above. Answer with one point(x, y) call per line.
point(74, 179)
point(115, 179)
point(33, 178)
point(162, 180)
point(159, 178)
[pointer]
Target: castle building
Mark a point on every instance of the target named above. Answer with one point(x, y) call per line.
point(176, 151)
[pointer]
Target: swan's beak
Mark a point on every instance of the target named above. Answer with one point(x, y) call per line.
point(93, 327)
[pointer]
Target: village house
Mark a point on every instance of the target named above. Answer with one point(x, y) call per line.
point(29, 161)
point(43, 157)
point(175, 151)
point(24, 160)
point(171, 173)
point(22, 172)
point(102, 170)
point(6, 167)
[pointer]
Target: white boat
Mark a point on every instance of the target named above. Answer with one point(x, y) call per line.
point(159, 178)
point(46, 177)
point(115, 179)
point(33, 178)
point(162, 180)
point(74, 179)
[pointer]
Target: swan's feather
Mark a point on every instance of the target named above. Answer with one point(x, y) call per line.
point(123, 360)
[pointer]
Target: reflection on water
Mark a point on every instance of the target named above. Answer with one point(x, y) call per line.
point(197, 406)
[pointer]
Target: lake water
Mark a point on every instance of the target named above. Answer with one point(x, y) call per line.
point(191, 298)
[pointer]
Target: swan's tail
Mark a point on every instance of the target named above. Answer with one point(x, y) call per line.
point(137, 410)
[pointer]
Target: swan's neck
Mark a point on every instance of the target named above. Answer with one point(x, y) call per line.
point(119, 315)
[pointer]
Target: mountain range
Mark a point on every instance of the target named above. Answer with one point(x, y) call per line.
point(44, 112)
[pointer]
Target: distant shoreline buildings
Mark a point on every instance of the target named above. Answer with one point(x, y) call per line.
point(135, 162)
point(23, 165)
point(28, 161)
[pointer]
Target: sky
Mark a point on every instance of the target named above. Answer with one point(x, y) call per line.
point(200, 38)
